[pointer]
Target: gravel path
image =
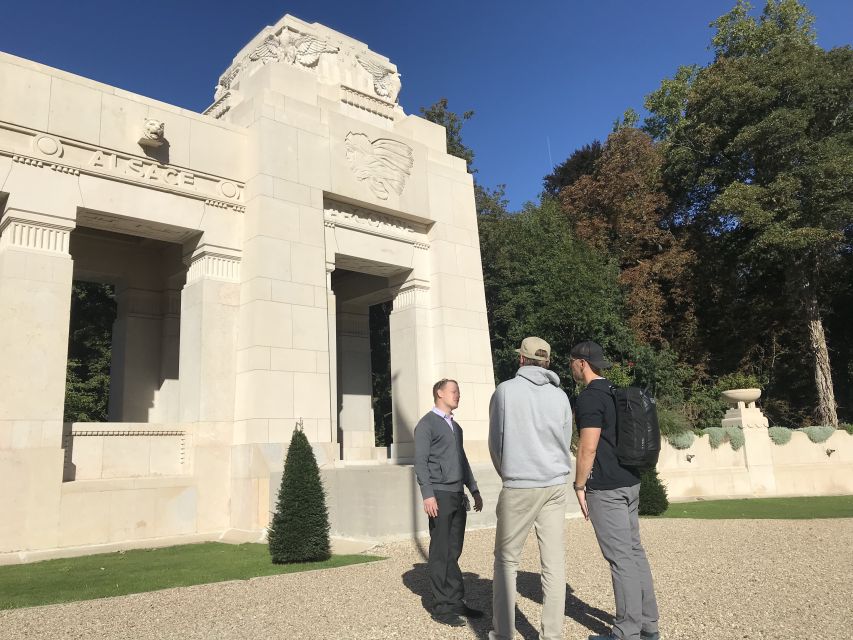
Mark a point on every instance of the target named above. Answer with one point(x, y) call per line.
point(719, 579)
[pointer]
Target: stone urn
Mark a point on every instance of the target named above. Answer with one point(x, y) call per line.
point(742, 398)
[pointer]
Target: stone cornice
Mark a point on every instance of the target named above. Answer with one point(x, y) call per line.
point(42, 150)
point(339, 214)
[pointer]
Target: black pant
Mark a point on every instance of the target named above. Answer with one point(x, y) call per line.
point(447, 533)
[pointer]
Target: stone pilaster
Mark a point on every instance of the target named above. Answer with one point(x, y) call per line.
point(209, 314)
point(411, 365)
point(35, 287)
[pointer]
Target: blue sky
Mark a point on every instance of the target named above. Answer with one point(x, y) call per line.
point(557, 71)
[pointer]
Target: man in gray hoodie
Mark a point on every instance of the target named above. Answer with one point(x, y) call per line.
point(530, 430)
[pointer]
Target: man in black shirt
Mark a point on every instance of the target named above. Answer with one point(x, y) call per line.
point(608, 494)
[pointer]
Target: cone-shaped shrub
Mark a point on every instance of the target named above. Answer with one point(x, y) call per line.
point(653, 500)
point(300, 526)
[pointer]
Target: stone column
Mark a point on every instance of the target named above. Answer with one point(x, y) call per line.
point(356, 384)
point(209, 313)
point(331, 318)
point(411, 365)
point(135, 367)
point(35, 288)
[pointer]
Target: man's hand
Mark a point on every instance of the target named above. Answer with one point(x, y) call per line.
point(478, 502)
point(581, 494)
point(431, 507)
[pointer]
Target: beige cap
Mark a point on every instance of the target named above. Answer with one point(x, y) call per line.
point(529, 347)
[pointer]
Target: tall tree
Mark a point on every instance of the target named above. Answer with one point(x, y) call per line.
point(439, 113)
point(762, 151)
point(580, 163)
point(619, 209)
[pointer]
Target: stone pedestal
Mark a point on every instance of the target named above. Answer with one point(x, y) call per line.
point(757, 444)
point(355, 384)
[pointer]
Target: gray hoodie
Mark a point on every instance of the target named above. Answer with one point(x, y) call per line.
point(530, 430)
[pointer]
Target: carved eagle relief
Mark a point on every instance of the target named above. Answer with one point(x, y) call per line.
point(383, 164)
point(304, 49)
point(270, 50)
point(386, 83)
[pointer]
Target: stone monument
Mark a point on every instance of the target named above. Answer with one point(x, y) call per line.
point(246, 246)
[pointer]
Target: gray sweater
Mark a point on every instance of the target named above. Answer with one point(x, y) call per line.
point(440, 460)
point(530, 430)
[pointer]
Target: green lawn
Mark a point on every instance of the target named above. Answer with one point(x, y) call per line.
point(115, 574)
point(782, 508)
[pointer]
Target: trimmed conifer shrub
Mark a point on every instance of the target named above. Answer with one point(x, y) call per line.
point(653, 500)
point(300, 526)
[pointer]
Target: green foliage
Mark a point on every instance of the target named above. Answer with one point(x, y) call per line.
point(87, 382)
point(106, 575)
point(818, 434)
point(671, 422)
point(653, 498)
point(452, 123)
point(783, 22)
point(621, 375)
point(735, 437)
point(540, 280)
point(716, 436)
point(780, 435)
point(759, 159)
point(681, 440)
point(580, 163)
point(380, 372)
point(300, 526)
point(847, 426)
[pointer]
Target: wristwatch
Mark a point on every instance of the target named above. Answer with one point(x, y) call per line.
point(577, 488)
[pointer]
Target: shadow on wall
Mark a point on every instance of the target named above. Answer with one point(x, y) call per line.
point(478, 594)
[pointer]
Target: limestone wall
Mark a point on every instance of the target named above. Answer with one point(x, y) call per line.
point(760, 468)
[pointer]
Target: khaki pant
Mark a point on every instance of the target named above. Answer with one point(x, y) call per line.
point(517, 511)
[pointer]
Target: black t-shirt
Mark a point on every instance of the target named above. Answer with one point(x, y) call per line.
point(595, 407)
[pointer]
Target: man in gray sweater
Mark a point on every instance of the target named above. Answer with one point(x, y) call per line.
point(530, 430)
point(442, 468)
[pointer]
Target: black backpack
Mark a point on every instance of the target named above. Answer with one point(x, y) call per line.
point(637, 430)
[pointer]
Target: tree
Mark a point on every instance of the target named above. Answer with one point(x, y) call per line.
point(580, 163)
point(452, 123)
point(653, 498)
point(619, 209)
point(87, 382)
point(300, 526)
point(761, 154)
point(541, 280)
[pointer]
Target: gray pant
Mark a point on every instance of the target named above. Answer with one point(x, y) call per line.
point(614, 517)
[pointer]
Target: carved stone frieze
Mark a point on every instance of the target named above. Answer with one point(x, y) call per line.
point(45, 151)
point(414, 295)
point(374, 105)
point(286, 45)
point(382, 164)
point(30, 234)
point(349, 215)
point(386, 83)
point(218, 266)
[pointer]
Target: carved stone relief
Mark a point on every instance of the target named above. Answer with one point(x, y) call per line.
point(386, 83)
point(153, 134)
point(382, 164)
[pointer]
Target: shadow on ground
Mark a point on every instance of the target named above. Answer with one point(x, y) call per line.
point(478, 594)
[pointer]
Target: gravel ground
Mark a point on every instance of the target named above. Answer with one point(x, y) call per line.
point(720, 579)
